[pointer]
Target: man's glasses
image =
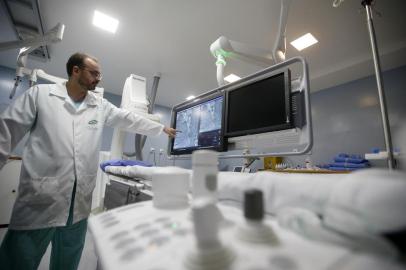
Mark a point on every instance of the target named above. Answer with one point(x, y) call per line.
point(96, 74)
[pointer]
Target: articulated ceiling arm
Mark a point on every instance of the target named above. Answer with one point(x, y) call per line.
point(279, 50)
point(52, 36)
point(27, 46)
point(224, 48)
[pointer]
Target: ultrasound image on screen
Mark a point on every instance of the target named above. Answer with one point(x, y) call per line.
point(199, 126)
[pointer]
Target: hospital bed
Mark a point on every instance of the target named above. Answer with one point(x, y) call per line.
point(122, 190)
point(314, 221)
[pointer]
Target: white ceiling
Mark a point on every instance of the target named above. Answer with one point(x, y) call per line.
point(173, 37)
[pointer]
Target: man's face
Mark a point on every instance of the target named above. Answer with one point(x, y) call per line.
point(89, 75)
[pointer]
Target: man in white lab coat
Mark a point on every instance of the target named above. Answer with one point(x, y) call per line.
point(60, 161)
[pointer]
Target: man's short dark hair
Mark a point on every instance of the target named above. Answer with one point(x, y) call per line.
point(77, 59)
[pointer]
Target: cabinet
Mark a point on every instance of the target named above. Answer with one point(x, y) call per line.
point(9, 179)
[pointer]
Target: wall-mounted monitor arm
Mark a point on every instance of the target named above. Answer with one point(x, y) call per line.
point(279, 50)
point(224, 48)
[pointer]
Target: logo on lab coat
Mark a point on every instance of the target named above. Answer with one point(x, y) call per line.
point(92, 124)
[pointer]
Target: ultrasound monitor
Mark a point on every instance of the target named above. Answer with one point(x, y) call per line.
point(260, 106)
point(199, 125)
point(267, 114)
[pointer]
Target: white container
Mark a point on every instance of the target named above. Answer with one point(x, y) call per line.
point(204, 178)
point(170, 189)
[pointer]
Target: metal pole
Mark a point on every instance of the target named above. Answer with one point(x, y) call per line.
point(154, 90)
point(381, 92)
point(140, 139)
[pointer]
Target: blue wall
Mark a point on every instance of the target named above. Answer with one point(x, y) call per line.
point(346, 118)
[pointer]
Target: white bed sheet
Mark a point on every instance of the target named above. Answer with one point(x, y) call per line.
point(302, 201)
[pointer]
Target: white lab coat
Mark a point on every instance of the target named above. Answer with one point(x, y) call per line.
point(63, 144)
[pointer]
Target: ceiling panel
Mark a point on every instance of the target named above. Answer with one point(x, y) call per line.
point(173, 38)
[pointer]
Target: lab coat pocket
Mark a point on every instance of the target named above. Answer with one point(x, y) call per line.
point(86, 184)
point(39, 190)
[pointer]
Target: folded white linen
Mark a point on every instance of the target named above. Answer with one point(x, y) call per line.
point(141, 172)
point(368, 202)
point(310, 191)
point(361, 203)
point(280, 190)
point(310, 225)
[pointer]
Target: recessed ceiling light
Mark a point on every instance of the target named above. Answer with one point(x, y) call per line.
point(105, 22)
point(304, 41)
point(190, 97)
point(231, 78)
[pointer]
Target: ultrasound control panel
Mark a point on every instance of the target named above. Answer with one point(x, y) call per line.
point(140, 236)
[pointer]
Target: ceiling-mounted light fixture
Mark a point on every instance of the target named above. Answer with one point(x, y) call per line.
point(232, 78)
point(105, 22)
point(304, 41)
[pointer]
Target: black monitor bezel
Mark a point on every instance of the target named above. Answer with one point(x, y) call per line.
point(195, 102)
point(236, 87)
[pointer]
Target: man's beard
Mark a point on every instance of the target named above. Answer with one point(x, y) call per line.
point(88, 87)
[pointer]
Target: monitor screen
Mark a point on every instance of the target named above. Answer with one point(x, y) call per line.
point(260, 105)
point(199, 125)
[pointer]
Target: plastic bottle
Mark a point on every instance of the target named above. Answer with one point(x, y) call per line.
point(204, 179)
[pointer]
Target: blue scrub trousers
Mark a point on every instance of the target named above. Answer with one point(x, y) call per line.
point(23, 249)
